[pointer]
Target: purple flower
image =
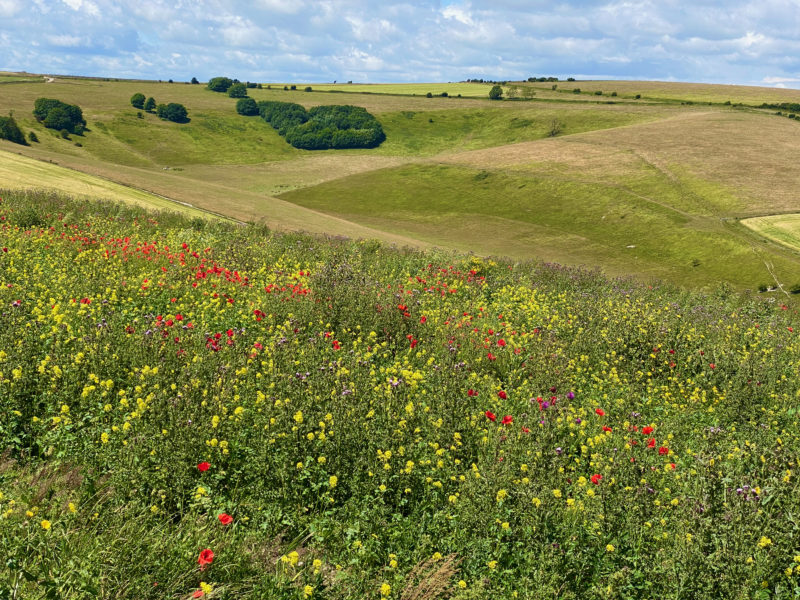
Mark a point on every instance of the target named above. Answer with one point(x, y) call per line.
point(570, 395)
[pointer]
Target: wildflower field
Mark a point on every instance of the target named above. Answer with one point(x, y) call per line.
point(191, 409)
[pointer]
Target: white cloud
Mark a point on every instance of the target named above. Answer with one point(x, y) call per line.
point(457, 14)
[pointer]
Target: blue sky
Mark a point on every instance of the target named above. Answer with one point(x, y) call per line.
point(740, 42)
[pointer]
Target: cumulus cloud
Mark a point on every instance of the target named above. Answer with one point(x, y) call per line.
point(733, 41)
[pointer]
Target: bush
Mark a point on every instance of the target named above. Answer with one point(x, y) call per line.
point(137, 100)
point(637, 96)
point(173, 111)
point(55, 114)
point(9, 130)
point(251, 85)
point(307, 88)
point(292, 87)
point(33, 137)
point(429, 95)
point(64, 134)
point(150, 104)
point(576, 90)
point(496, 93)
point(614, 94)
point(194, 81)
point(598, 93)
point(237, 90)
point(219, 84)
point(246, 107)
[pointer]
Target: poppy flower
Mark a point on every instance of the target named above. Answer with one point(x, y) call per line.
point(663, 450)
point(596, 478)
point(491, 416)
point(600, 412)
point(203, 466)
point(651, 443)
point(525, 430)
point(225, 519)
point(471, 392)
point(198, 594)
point(206, 558)
point(507, 420)
point(502, 394)
point(606, 428)
point(647, 430)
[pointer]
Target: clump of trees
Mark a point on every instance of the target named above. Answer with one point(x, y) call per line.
point(220, 84)
point(237, 90)
point(55, 114)
point(172, 112)
point(496, 93)
point(323, 127)
point(9, 130)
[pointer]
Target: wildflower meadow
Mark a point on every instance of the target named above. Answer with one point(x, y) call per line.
point(198, 409)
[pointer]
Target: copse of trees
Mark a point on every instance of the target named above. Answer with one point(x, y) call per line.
point(219, 84)
point(137, 100)
point(173, 112)
point(9, 130)
point(55, 114)
point(150, 105)
point(323, 127)
point(496, 93)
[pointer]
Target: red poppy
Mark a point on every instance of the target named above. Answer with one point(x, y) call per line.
point(525, 430)
point(502, 394)
point(203, 466)
point(606, 428)
point(712, 365)
point(198, 594)
point(647, 430)
point(471, 392)
point(225, 519)
point(596, 478)
point(491, 416)
point(501, 343)
point(651, 443)
point(663, 450)
point(206, 558)
point(600, 412)
point(507, 420)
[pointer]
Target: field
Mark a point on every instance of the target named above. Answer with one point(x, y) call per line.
point(200, 409)
point(570, 178)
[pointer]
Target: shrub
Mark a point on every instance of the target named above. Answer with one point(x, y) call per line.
point(570, 79)
point(614, 94)
point(429, 95)
point(137, 100)
point(150, 104)
point(576, 90)
point(292, 87)
point(444, 94)
point(637, 96)
point(250, 85)
point(194, 81)
point(496, 93)
point(64, 134)
point(307, 88)
point(246, 107)
point(56, 114)
point(237, 90)
point(219, 84)
point(9, 130)
point(598, 93)
point(33, 137)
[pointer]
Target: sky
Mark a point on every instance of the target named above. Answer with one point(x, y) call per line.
point(712, 41)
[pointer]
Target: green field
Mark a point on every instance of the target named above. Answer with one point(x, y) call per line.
point(667, 175)
point(470, 90)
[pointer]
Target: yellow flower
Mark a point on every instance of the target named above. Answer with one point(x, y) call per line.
point(333, 481)
point(45, 524)
point(505, 525)
point(307, 591)
point(557, 493)
point(298, 416)
point(501, 495)
point(462, 584)
point(610, 548)
point(386, 589)
point(436, 556)
point(104, 438)
point(206, 587)
point(492, 564)
point(764, 542)
point(536, 502)
point(72, 508)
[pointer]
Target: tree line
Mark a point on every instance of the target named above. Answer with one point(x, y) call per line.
point(169, 112)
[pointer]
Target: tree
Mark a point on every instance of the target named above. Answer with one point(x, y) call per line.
point(137, 100)
point(150, 104)
point(246, 107)
point(219, 84)
point(496, 93)
point(9, 130)
point(513, 91)
point(173, 112)
point(237, 90)
point(194, 81)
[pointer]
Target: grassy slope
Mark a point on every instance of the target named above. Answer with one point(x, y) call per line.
point(714, 164)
